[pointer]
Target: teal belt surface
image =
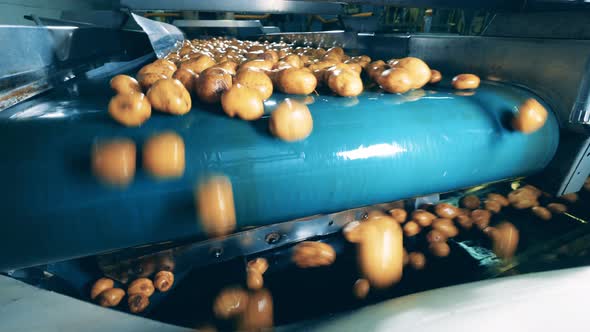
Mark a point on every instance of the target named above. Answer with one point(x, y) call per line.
point(371, 149)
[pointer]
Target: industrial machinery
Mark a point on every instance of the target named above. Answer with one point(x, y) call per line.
point(62, 229)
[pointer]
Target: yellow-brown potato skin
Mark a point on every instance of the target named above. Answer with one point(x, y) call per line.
point(170, 96)
point(187, 77)
point(113, 162)
point(291, 121)
point(380, 251)
point(198, 64)
point(258, 315)
point(123, 84)
point(465, 82)
point(230, 302)
point(148, 79)
point(345, 83)
point(215, 205)
point(111, 297)
point(242, 101)
point(531, 117)
point(212, 83)
point(163, 281)
point(130, 110)
point(257, 80)
point(394, 80)
point(297, 81)
point(141, 286)
point(313, 254)
point(100, 286)
point(164, 155)
point(435, 76)
point(419, 71)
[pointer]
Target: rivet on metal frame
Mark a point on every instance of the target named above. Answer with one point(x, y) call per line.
point(272, 238)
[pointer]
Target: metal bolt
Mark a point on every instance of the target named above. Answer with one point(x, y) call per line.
point(216, 252)
point(272, 238)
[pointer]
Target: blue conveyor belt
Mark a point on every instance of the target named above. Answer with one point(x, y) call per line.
point(371, 149)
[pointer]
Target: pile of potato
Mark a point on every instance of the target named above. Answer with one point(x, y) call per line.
point(242, 74)
point(138, 292)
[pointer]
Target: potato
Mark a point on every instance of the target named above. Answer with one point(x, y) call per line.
point(380, 251)
point(296, 81)
point(198, 64)
point(212, 83)
point(163, 155)
point(147, 80)
point(435, 76)
point(215, 205)
point(113, 162)
point(394, 80)
point(130, 110)
point(531, 117)
point(242, 101)
point(123, 84)
point(256, 80)
point(291, 121)
point(465, 82)
point(419, 71)
point(170, 96)
point(187, 77)
point(345, 83)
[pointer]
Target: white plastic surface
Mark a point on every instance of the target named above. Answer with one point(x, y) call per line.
point(29, 309)
point(540, 302)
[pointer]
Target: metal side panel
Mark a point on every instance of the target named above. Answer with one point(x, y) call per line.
point(247, 6)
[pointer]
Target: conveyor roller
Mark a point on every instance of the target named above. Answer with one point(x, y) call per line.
point(371, 149)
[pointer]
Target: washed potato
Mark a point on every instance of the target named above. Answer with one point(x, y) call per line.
point(435, 76)
point(380, 251)
point(215, 205)
point(123, 84)
point(113, 162)
point(141, 286)
point(345, 83)
point(242, 101)
point(398, 214)
point(257, 64)
point(471, 202)
point(163, 281)
point(417, 260)
point(212, 83)
point(395, 80)
point(505, 238)
point(230, 302)
point(531, 117)
point(163, 155)
point(100, 286)
point(147, 80)
point(198, 64)
point(465, 82)
point(313, 254)
point(187, 77)
point(542, 212)
point(296, 81)
point(258, 314)
point(411, 228)
point(131, 110)
point(291, 121)
point(361, 288)
point(419, 71)
point(423, 218)
point(170, 96)
point(257, 80)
